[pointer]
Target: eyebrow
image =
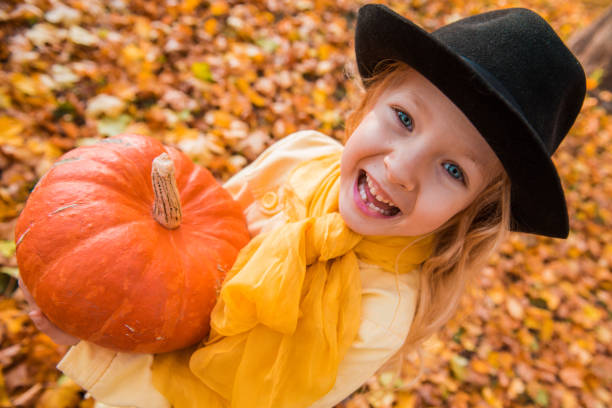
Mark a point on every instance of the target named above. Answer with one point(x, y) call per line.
point(478, 164)
point(420, 103)
point(472, 158)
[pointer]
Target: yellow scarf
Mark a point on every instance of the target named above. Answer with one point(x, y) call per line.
point(290, 307)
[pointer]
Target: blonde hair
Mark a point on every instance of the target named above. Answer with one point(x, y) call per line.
point(462, 245)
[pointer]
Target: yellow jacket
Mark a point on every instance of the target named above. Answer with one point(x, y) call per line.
point(388, 300)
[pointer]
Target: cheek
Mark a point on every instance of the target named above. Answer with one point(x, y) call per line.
point(438, 207)
point(355, 150)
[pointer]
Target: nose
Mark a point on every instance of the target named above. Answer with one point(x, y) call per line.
point(401, 172)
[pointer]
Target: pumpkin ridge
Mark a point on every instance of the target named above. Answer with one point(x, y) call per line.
point(185, 169)
point(130, 154)
point(59, 253)
point(144, 175)
point(183, 305)
point(111, 320)
point(200, 195)
point(50, 269)
point(198, 180)
point(128, 189)
point(218, 217)
point(137, 201)
point(108, 322)
point(30, 233)
point(230, 237)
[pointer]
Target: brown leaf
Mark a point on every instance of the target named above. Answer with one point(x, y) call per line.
point(572, 377)
point(7, 354)
point(17, 377)
point(27, 398)
point(601, 366)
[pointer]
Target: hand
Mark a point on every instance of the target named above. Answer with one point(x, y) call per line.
point(43, 324)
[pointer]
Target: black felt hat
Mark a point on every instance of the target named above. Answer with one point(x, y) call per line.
point(511, 76)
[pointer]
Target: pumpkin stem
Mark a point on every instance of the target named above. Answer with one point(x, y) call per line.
point(167, 205)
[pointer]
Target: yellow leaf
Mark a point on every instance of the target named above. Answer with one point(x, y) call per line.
point(590, 315)
point(505, 360)
point(491, 398)
point(131, 53)
point(65, 394)
point(324, 51)
point(5, 99)
point(139, 128)
point(219, 119)
point(201, 70)
point(320, 97)
point(497, 294)
point(594, 79)
point(181, 132)
point(552, 299)
point(11, 131)
point(255, 98)
point(607, 252)
point(211, 26)
point(28, 85)
point(591, 84)
point(4, 399)
point(518, 244)
point(189, 5)
point(406, 400)
point(546, 329)
point(218, 8)
point(568, 399)
point(143, 27)
point(14, 320)
point(493, 359)
point(574, 252)
point(590, 208)
point(526, 338)
point(590, 149)
point(480, 366)
point(457, 365)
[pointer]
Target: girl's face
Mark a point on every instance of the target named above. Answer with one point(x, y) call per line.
point(413, 162)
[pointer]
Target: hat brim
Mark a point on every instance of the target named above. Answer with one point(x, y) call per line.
point(537, 201)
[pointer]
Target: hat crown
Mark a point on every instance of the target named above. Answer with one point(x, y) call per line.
point(512, 77)
point(528, 61)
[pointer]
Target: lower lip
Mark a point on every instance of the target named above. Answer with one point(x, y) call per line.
point(362, 206)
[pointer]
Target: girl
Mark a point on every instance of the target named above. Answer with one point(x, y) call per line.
point(360, 252)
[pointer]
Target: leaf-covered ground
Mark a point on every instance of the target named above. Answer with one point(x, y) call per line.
point(224, 79)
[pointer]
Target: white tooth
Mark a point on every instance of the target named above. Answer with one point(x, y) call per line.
point(362, 193)
point(375, 193)
point(375, 208)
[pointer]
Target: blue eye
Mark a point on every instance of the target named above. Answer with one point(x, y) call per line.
point(405, 119)
point(454, 171)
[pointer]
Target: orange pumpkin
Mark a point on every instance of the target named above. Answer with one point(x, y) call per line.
point(118, 251)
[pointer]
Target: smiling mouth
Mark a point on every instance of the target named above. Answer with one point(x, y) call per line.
point(372, 199)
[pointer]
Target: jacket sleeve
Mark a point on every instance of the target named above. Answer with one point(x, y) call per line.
point(121, 379)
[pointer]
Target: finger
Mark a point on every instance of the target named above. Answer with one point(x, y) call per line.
point(26, 292)
point(57, 335)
